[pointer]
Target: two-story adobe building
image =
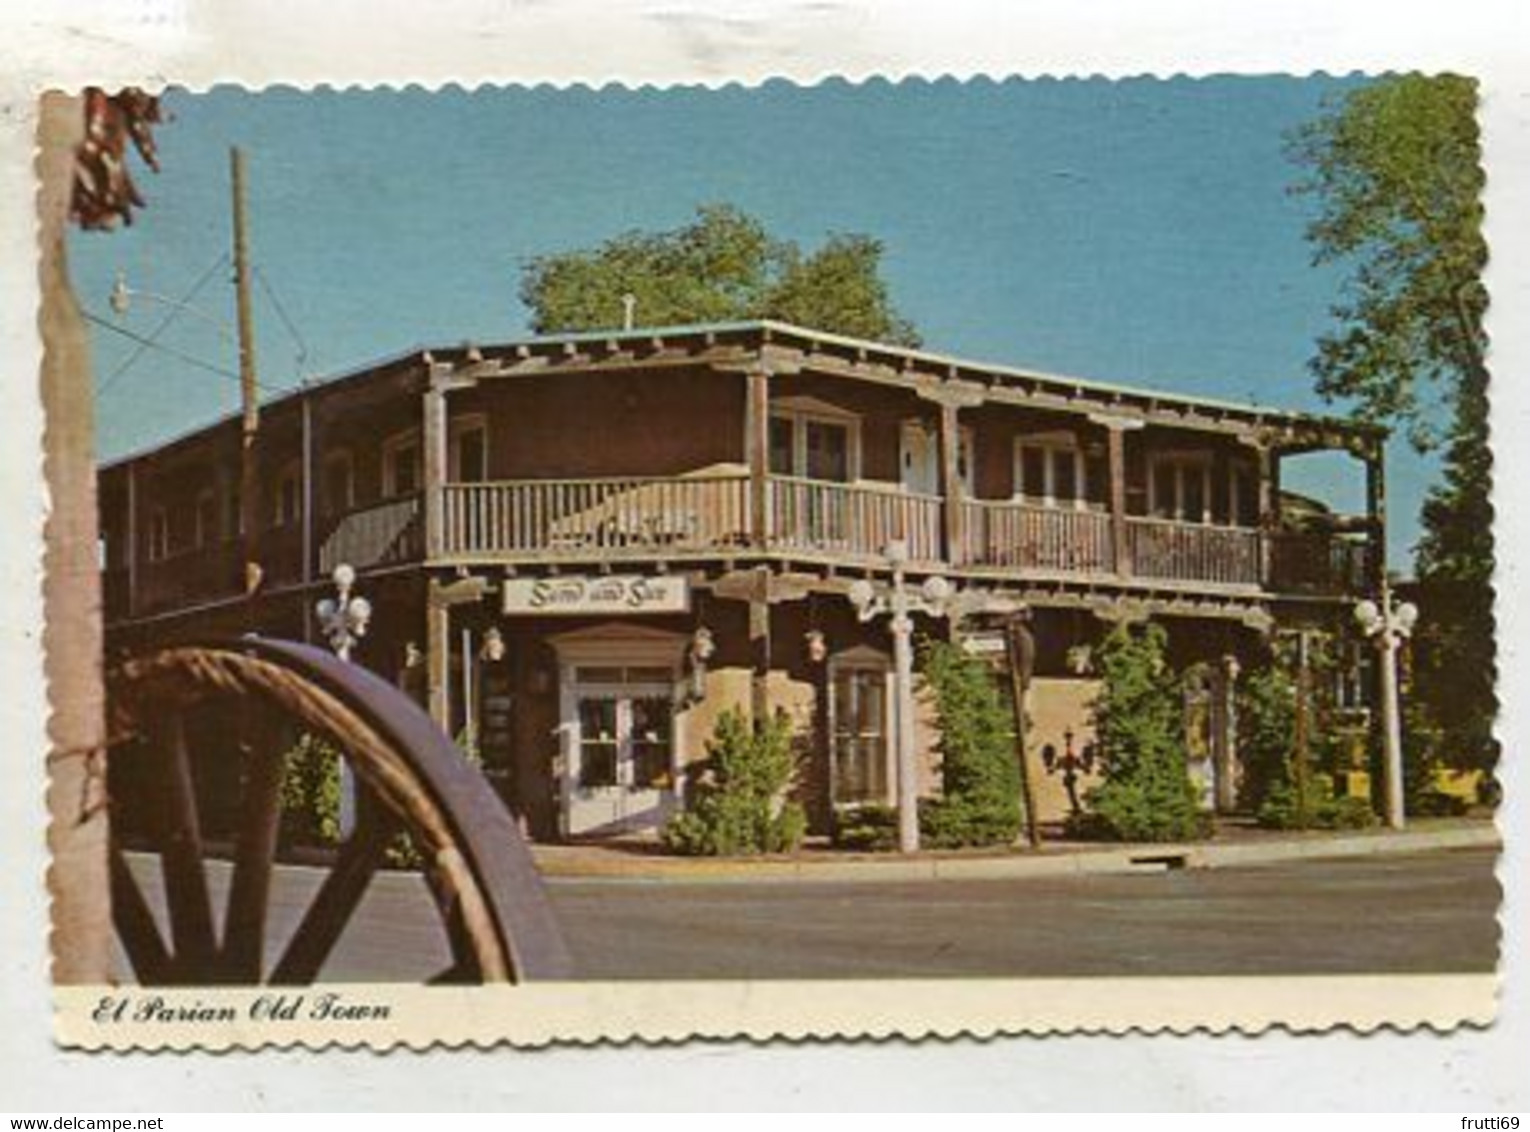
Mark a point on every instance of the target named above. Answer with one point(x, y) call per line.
point(582, 548)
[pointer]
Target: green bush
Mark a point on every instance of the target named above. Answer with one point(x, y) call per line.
point(980, 776)
point(311, 800)
point(1283, 808)
point(1147, 793)
point(867, 828)
point(738, 803)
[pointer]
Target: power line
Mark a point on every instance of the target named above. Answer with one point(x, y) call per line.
point(281, 313)
point(164, 324)
point(179, 355)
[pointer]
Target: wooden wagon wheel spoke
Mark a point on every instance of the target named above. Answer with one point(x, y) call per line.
point(190, 907)
point(334, 904)
point(135, 924)
point(489, 899)
point(266, 740)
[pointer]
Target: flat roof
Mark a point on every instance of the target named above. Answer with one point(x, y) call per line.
point(773, 332)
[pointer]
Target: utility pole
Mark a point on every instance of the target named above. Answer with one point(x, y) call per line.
point(1021, 647)
point(249, 397)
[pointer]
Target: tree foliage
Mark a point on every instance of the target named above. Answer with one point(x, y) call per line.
point(738, 798)
point(1397, 173)
point(980, 777)
point(722, 267)
point(1396, 169)
point(1139, 728)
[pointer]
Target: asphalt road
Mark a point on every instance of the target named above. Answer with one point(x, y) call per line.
point(1419, 913)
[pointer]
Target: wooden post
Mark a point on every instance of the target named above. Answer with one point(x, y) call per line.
point(132, 538)
point(1376, 514)
point(1269, 511)
point(1116, 455)
point(249, 391)
point(433, 459)
point(78, 878)
point(438, 646)
point(952, 491)
point(759, 645)
point(757, 453)
point(1301, 727)
point(1224, 735)
point(1021, 646)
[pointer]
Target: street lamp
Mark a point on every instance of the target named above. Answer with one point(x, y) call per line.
point(933, 598)
point(1390, 624)
point(121, 297)
point(343, 619)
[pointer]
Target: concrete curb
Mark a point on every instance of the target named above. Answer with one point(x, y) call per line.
point(602, 864)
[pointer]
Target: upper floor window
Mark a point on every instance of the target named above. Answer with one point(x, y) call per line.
point(468, 449)
point(817, 444)
point(206, 527)
point(159, 534)
point(401, 465)
point(1179, 487)
point(1054, 471)
point(1243, 494)
point(287, 507)
point(339, 483)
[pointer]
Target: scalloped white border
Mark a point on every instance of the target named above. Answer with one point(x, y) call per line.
point(668, 41)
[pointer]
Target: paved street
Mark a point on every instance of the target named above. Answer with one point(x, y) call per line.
point(1386, 914)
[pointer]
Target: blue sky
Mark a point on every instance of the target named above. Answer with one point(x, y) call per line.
point(1136, 231)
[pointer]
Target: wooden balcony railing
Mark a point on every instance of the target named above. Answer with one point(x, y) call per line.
point(852, 519)
point(1193, 552)
point(203, 573)
point(548, 518)
point(381, 534)
point(1315, 562)
point(1027, 536)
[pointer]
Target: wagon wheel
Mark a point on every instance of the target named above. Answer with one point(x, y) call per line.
point(409, 777)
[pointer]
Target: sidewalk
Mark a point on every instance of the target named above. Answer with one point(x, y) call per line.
point(1234, 846)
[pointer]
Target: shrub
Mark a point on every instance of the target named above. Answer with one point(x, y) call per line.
point(867, 828)
point(1147, 794)
point(1319, 809)
point(311, 800)
point(738, 800)
point(980, 777)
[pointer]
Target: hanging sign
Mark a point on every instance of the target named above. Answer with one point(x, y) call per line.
point(571, 594)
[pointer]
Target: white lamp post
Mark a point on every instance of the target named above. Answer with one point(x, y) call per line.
point(1390, 624)
point(343, 619)
point(932, 598)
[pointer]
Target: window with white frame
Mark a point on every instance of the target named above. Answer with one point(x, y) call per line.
point(1179, 486)
point(860, 728)
point(468, 449)
point(159, 534)
point(1054, 470)
point(339, 482)
point(205, 526)
point(401, 464)
point(287, 506)
point(1243, 493)
point(814, 443)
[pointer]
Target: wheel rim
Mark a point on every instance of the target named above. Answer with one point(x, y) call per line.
point(410, 777)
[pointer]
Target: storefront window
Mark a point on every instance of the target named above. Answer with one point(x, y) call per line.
point(860, 734)
point(597, 741)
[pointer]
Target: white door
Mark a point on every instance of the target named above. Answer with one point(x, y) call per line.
point(920, 452)
point(622, 775)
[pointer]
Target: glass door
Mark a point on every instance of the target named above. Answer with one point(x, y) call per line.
point(624, 757)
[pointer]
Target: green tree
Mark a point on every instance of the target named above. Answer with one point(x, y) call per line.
point(1396, 169)
point(1139, 727)
point(980, 777)
point(738, 798)
point(724, 266)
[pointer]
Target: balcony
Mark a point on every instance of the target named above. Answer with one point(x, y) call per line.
point(382, 534)
point(709, 515)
